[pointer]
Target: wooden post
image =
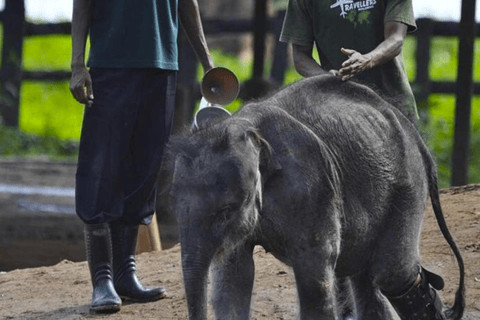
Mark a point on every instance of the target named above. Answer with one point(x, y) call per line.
point(280, 56)
point(11, 72)
point(148, 238)
point(461, 147)
point(260, 31)
point(422, 80)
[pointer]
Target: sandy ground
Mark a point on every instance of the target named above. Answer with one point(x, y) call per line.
point(63, 291)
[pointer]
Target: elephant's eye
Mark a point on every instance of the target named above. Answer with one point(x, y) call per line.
point(226, 212)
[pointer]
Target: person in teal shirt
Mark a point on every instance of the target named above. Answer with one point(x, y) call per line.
point(128, 87)
point(358, 40)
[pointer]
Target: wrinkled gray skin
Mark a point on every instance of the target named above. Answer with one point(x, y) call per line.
point(325, 175)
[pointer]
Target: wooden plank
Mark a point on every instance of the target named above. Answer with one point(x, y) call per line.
point(39, 76)
point(35, 29)
point(217, 26)
point(461, 147)
point(450, 29)
point(443, 28)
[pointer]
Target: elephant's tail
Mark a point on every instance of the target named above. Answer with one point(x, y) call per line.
point(456, 312)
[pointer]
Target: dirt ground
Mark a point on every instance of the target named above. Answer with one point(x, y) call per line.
point(63, 291)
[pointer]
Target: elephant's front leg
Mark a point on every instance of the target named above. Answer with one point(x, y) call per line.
point(316, 293)
point(232, 284)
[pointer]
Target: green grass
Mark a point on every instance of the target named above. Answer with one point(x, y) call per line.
point(50, 119)
point(48, 108)
point(439, 128)
point(47, 53)
point(440, 131)
point(15, 143)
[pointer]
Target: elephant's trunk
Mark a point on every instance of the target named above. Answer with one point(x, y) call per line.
point(196, 260)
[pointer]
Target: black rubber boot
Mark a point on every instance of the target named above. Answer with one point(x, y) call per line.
point(127, 284)
point(99, 255)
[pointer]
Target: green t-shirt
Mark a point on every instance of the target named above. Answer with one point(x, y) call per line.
point(358, 25)
point(132, 34)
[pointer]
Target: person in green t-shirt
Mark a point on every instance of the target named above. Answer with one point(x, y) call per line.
point(355, 40)
point(362, 40)
point(129, 90)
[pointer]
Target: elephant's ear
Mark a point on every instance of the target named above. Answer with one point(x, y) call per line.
point(268, 163)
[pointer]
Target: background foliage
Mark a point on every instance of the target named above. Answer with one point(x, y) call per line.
point(50, 120)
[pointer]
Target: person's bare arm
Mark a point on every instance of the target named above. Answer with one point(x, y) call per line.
point(391, 47)
point(190, 20)
point(80, 83)
point(304, 62)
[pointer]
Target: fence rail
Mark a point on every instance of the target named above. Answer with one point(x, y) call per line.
point(427, 29)
point(35, 29)
point(216, 27)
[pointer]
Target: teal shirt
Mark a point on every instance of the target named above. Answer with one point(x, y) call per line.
point(134, 34)
point(358, 25)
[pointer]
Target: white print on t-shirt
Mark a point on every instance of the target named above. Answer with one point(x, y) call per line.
point(347, 5)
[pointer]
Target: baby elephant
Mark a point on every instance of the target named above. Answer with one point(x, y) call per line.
point(328, 177)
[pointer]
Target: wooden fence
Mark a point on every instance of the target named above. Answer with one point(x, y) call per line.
point(427, 29)
point(15, 28)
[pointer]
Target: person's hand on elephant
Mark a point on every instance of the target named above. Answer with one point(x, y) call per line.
point(354, 65)
point(334, 72)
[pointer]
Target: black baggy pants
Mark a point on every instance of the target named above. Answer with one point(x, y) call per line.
point(123, 137)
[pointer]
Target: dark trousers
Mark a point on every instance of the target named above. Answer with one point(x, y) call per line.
point(122, 142)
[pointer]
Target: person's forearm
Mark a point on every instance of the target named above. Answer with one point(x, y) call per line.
point(80, 27)
point(308, 67)
point(189, 15)
point(81, 82)
point(392, 45)
point(386, 51)
point(304, 62)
